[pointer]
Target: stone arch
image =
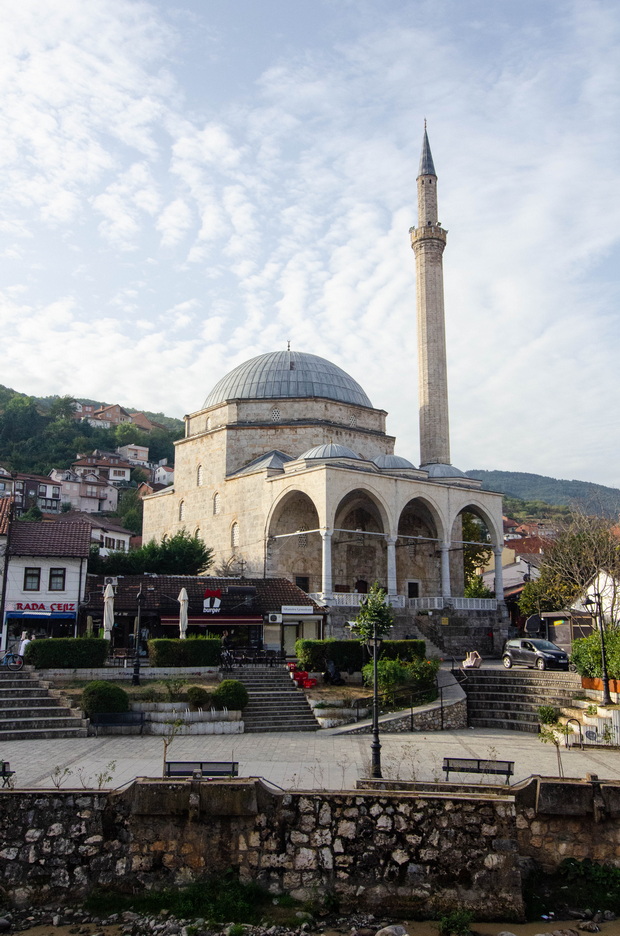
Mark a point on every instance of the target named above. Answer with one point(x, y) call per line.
point(459, 539)
point(420, 532)
point(294, 547)
point(359, 548)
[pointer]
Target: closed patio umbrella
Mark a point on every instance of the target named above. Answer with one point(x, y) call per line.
point(108, 611)
point(183, 602)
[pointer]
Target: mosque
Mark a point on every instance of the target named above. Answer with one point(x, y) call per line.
point(287, 470)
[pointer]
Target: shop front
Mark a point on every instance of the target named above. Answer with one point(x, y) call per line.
point(39, 619)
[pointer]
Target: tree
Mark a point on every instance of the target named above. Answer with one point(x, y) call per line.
point(584, 547)
point(474, 555)
point(374, 611)
point(180, 554)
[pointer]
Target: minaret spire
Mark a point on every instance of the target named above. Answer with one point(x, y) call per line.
point(428, 241)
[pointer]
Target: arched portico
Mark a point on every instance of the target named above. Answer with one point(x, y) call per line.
point(420, 537)
point(361, 549)
point(293, 541)
point(487, 534)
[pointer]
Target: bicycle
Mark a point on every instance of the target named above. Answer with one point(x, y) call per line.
point(12, 660)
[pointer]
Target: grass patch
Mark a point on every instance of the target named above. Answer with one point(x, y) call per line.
point(575, 884)
point(222, 899)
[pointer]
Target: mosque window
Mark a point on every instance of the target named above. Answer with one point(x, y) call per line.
point(275, 414)
point(182, 510)
point(234, 534)
point(353, 420)
point(302, 541)
point(197, 533)
point(217, 503)
point(207, 423)
point(199, 476)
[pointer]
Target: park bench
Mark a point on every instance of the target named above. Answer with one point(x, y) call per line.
point(116, 719)
point(477, 766)
point(205, 768)
point(6, 773)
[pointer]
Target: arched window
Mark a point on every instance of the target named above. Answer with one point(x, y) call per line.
point(275, 414)
point(182, 510)
point(302, 540)
point(197, 533)
point(234, 534)
point(207, 423)
point(217, 503)
point(199, 476)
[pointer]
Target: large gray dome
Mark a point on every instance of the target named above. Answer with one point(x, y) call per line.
point(287, 375)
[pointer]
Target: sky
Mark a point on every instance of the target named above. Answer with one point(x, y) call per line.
point(185, 185)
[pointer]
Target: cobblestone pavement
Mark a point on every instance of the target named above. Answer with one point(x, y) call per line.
point(322, 759)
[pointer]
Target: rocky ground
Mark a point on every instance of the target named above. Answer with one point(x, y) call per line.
point(59, 921)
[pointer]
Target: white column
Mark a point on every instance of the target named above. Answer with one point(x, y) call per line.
point(499, 574)
point(392, 587)
point(326, 572)
point(445, 570)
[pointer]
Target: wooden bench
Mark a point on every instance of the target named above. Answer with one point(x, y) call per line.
point(116, 719)
point(206, 768)
point(6, 773)
point(477, 765)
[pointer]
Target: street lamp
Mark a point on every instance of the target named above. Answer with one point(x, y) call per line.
point(135, 679)
point(591, 604)
point(375, 748)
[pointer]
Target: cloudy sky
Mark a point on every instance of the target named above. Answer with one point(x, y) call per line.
point(188, 183)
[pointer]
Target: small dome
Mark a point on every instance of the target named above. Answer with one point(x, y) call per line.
point(287, 375)
point(443, 471)
point(392, 461)
point(330, 450)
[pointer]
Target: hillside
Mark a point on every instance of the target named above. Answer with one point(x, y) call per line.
point(592, 498)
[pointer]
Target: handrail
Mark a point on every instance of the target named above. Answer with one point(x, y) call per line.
point(567, 732)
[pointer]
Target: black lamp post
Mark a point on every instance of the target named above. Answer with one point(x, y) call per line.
point(592, 604)
point(375, 747)
point(135, 679)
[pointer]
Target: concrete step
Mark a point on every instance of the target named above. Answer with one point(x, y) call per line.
point(36, 722)
point(31, 699)
point(24, 734)
point(40, 711)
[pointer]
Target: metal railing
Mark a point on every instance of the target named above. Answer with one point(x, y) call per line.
point(352, 600)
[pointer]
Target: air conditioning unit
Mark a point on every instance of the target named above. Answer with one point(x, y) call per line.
point(110, 580)
point(275, 618)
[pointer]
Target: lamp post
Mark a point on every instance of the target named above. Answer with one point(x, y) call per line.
point(591, 604)
point(135, 679)
point(375, 747)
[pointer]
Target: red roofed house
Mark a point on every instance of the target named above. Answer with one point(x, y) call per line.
point(45, 576)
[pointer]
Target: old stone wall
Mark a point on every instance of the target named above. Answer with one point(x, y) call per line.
point(430, 719)
point(416, 853)
point(417, 848)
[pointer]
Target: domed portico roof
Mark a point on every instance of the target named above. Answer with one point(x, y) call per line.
point(287, 375)
point(329, 450)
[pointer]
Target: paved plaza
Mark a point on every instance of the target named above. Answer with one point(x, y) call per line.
point(314, 760)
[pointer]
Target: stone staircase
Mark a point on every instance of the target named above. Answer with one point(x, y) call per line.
point(509, 699)
point(29, 709)
point(276, 704)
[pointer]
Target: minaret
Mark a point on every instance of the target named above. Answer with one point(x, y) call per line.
point(428, 241)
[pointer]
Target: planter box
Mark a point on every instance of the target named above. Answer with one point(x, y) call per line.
point(595, 683)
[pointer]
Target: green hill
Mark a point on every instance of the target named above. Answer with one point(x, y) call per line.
point(591, 498)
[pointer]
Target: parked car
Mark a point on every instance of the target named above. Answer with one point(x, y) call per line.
point(531, 651)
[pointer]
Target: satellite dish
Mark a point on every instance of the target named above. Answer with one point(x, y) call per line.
point(534, 624)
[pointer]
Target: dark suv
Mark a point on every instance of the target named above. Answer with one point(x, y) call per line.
point(531, 651)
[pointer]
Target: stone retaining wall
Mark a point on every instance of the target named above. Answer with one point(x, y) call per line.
point(429, 719)
point(420, 852)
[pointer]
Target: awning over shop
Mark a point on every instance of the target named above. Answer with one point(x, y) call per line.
point(41, 614)
point(208, 620)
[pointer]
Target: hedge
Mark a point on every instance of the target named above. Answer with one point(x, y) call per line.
point(195, 651)
point(67, 652)
point(351, 655)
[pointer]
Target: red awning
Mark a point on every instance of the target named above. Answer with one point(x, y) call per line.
point(207, 620)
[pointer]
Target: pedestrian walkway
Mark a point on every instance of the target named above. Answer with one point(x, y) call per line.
point(324, 759)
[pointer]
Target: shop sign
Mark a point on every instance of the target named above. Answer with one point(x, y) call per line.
point(212, 601)
point(58, 607)
point(297, 609)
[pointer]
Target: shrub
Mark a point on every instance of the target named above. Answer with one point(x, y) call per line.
point(195, 651)
point(548, 715)
point(455, 923)
point(102, 696)
point(198, 697)
point(230, 694)
point(586, 654)
point(67, 652)
point(392, 675)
